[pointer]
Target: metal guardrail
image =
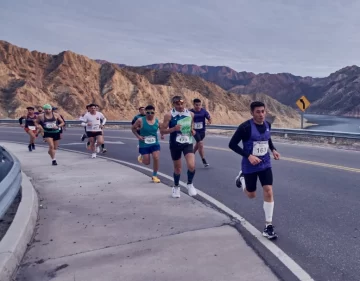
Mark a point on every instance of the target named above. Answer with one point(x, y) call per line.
point(10, 179)
point(286, 132)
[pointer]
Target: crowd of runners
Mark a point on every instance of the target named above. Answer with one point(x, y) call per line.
point(184, 127)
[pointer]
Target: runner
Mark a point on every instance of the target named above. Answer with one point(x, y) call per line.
point(51, 123)
point(141, 114)
point(256, 163)
point(94, 128)
point(200, 115)
point(148, 139)
point(179, 124)
point(30, 127)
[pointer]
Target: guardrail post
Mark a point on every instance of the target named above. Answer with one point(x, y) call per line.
point(333, 140)
point(286, 136)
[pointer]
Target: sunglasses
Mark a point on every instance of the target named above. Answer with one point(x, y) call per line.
point(150, 112)
point(179, 102)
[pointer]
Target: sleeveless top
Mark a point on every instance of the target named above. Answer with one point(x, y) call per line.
point(29, 122)
point(257, 145)
point(184, 136)
point(49, 124)
point(149, 132)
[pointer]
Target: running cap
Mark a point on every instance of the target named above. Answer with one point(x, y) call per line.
point(47, 106)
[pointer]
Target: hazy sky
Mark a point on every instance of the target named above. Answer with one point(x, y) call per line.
point(303, 37)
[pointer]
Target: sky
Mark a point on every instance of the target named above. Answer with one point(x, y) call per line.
point(307, 38)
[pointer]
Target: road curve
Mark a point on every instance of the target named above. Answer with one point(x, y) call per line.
point(316, 196)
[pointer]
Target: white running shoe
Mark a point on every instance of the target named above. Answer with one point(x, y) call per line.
point(176, 192)
point(93, 155)
point(240, 181)
point(191, 190)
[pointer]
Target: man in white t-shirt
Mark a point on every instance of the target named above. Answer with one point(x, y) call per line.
point(92, 122)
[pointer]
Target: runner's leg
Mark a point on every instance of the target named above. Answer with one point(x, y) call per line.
point(32, 140)
point(155, 156)
point(190, 163)
point(146, 159)
point(103, 149)
point(266, 179)
point(100, 141)
point(51, 150)
point(175, 152)
point(250, 183)
point(91, 147)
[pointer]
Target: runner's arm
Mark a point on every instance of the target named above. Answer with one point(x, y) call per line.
point(137, 126)
point(61, 121)
point(164, 127)
point(21, 119)
point(103, 119)
point(207, 116)
point(241, 134)
point(37, 121)
point(193, 132)
point(134, 120)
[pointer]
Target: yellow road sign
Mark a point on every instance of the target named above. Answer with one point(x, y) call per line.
point(303, 103)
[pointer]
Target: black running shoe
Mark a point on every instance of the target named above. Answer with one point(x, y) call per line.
point(269, 232)
point(83, 137)
point(54, 163)
point(206, 164)
point(104, 150)
point(33, 146)
point(29, 147)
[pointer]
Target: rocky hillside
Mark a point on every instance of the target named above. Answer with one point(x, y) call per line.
point(274, 85)
point(337, 94)
point(70, 81)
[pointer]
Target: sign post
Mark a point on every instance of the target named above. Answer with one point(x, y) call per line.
point(302, 104)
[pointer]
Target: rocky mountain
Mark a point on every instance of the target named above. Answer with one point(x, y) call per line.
point(337, 94)
point(70, 81)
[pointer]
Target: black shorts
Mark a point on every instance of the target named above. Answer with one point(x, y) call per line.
point(54, 136)
point(177, 149)
point(265, 177)
point(199, 136)
point(93, 134)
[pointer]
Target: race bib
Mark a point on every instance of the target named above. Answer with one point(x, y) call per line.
point(95, 127)
point(198, 125)
point(50, 125)
point(182, 139)
point(260, 148)
point(150, 140)
point(32, 128)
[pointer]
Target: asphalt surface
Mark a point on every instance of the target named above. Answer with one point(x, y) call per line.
point(316, 195)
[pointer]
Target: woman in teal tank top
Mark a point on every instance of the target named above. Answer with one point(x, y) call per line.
point(148, 127)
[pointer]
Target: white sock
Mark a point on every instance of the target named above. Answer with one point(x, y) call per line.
point(269, 210)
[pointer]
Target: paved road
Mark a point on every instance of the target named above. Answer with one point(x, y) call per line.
point(316, 196)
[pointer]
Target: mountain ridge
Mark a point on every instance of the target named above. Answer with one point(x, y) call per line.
point(70, 81)
point(330, 95)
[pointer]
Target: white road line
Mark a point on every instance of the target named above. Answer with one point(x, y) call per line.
point(296, 269)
